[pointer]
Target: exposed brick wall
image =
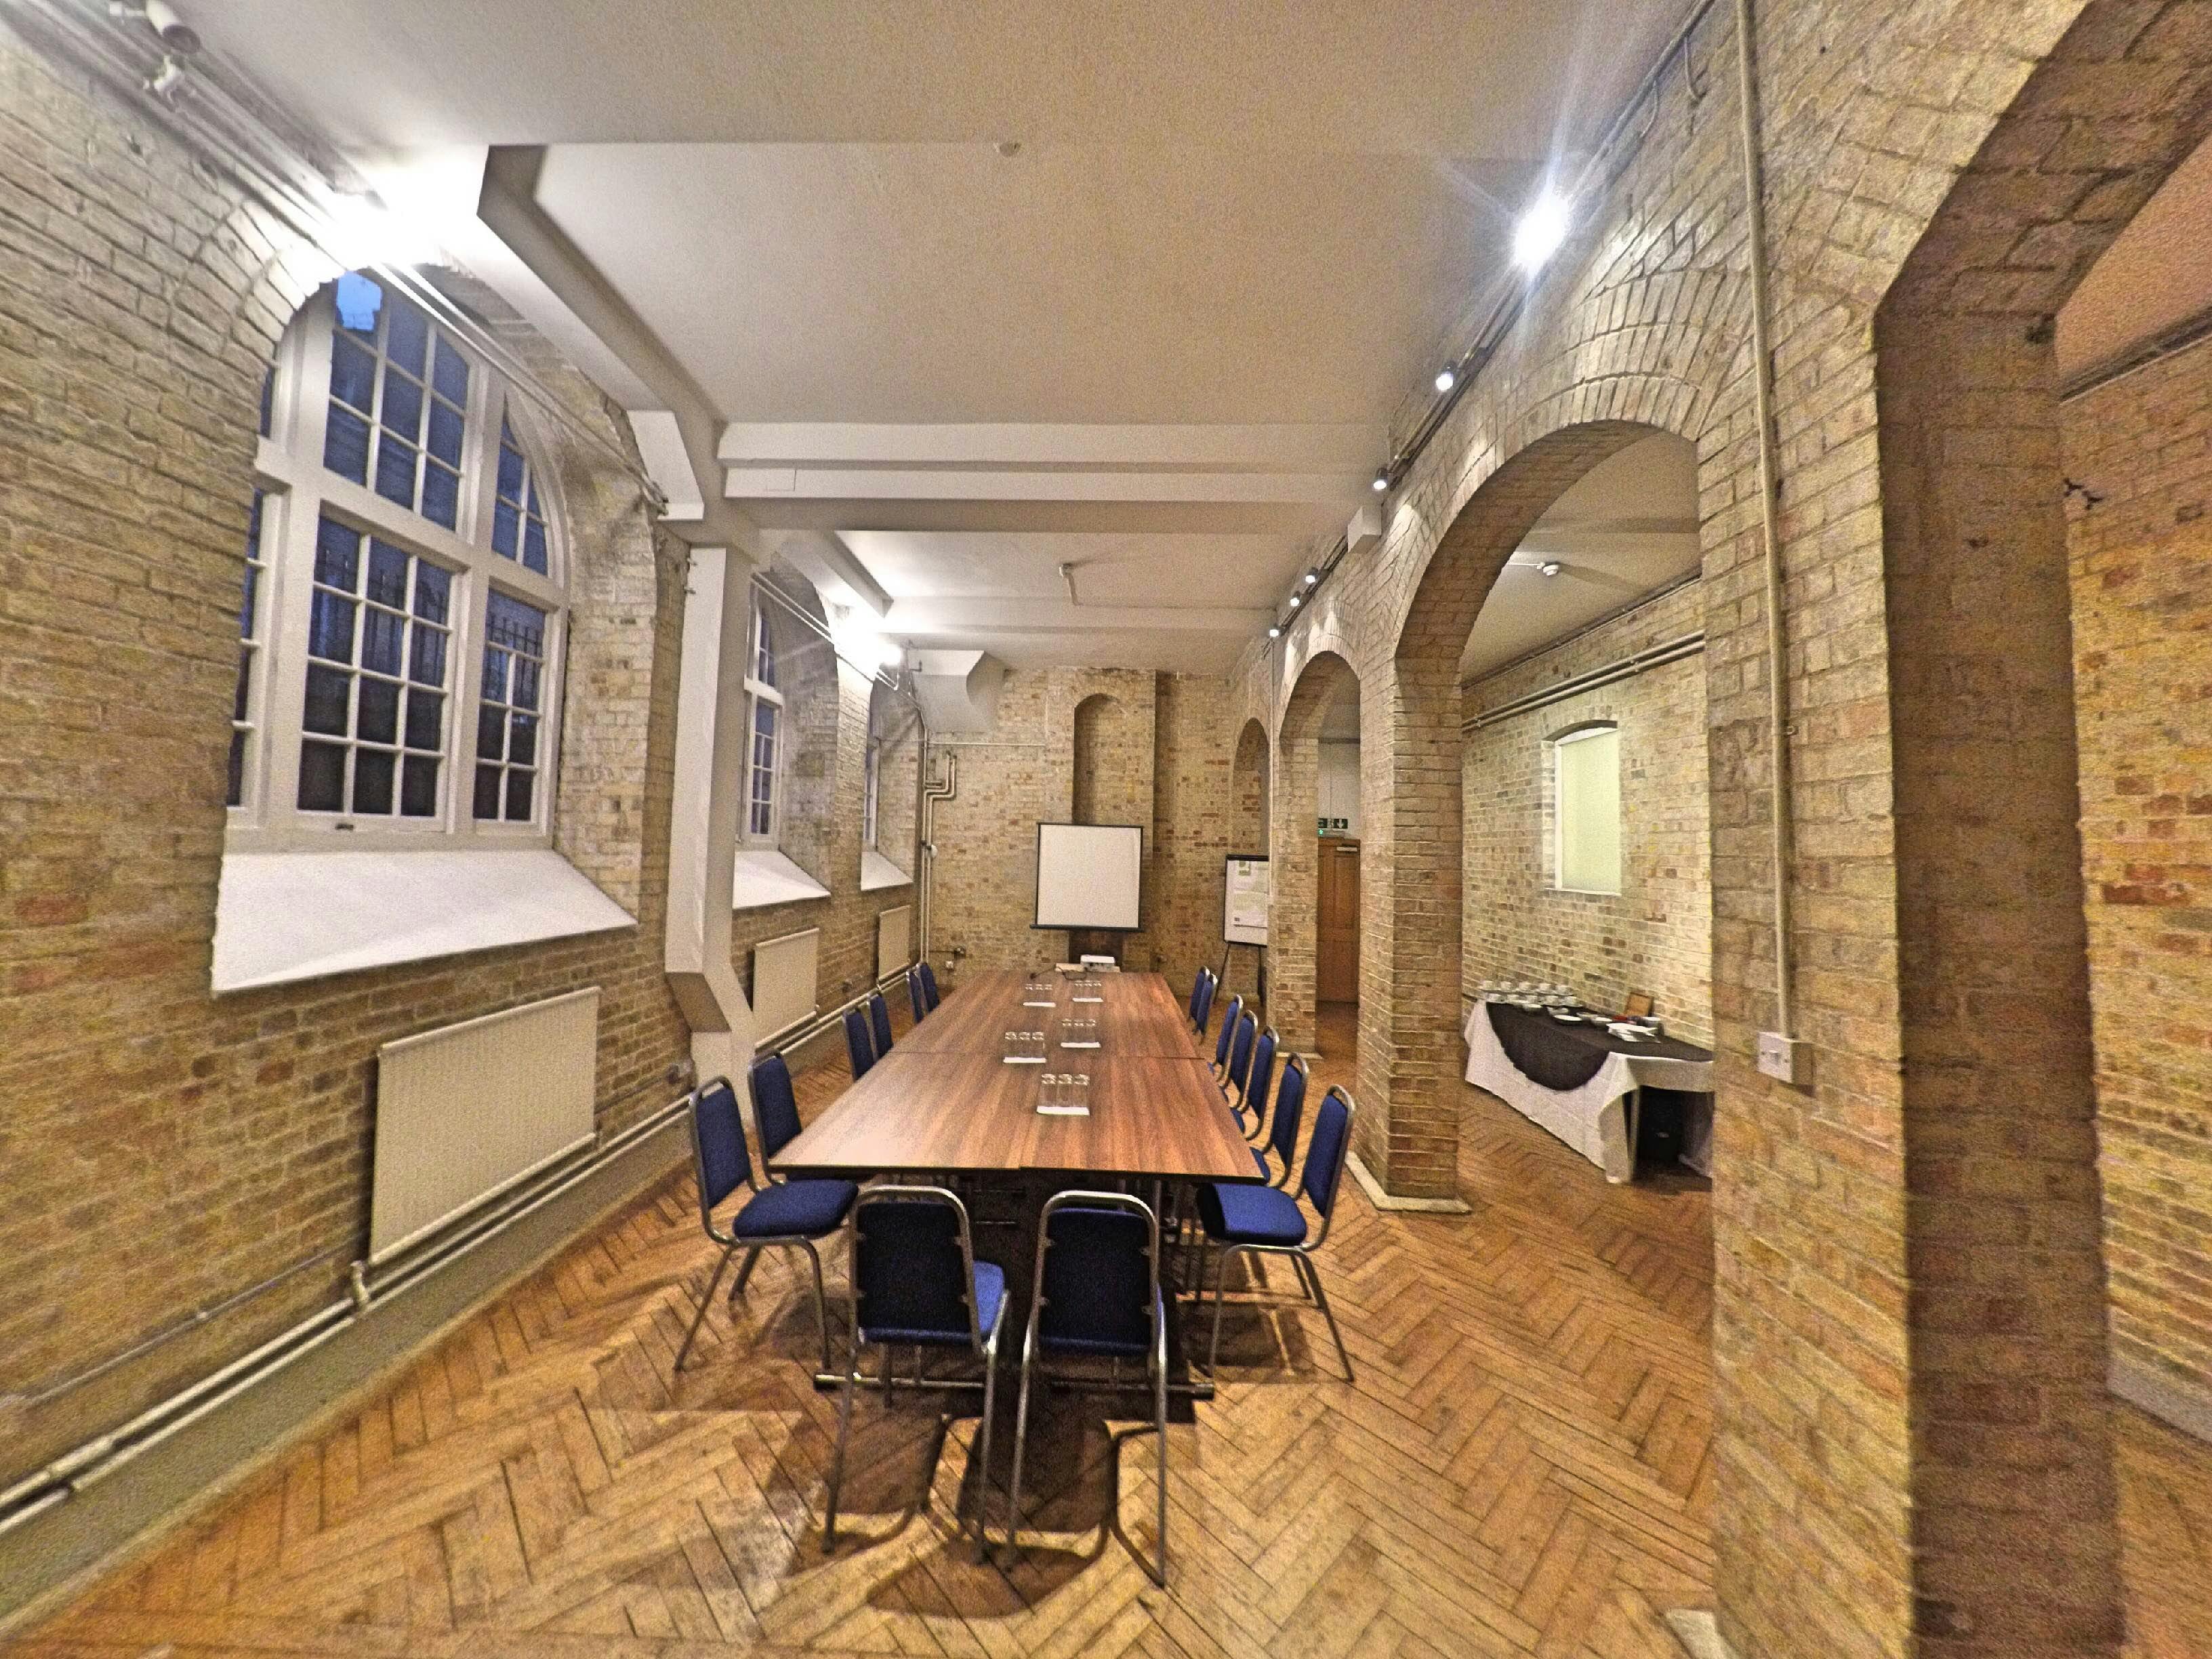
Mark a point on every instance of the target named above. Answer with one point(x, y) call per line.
point(1192, 820)
point(2141, 560)
point(164, 1150)
point(1656, 935)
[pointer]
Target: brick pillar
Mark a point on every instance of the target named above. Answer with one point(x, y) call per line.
point(2012, 1488)
point(1294, 891)
point(1410, 921)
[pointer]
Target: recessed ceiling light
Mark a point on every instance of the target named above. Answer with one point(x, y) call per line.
point(1446, 380)
point(1381, 479)
point(1543, 226)
point(1549, 567)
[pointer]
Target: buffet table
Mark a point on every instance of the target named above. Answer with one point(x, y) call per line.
point(1584, 1084)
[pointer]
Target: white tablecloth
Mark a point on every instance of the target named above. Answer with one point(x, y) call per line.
point(1594, 1118)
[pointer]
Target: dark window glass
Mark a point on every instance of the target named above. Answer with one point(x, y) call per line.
point(446, 434)
point(236, 793)
point(533, 547)
point(407, 337)
point(517, 797)
point(345, 445)
point(512, 624)
point(429, 667)
point(402, 408)
point(322, 777)
point(434, 584)
point(353, 373)
point(245, 684)
point(425, 724)
point(329, 628)
point(327, 694)
point(268, 404)
point(395, 471)
point(450, 376)
point(371, 780)
point(486, 805)
point(251, 601)
point(510, 469)
point(491, 727)
point(418, 787)
point(388, 575)
point(338, 555)
point(442, 494)
point(505, 523)
point(377, 719)
point(522, 740)
point(525, 683)
point(382, 635)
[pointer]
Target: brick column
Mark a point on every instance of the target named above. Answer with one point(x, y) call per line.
point(1294, 892)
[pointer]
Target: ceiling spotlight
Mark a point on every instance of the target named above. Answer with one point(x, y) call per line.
point(1381, 479)
point(363, 231)
point(179, 36)
point(1296, 601)
point(1446, 380)
point(1312, 577)
point(1543, 226)
point(1275, 632)
point(164, 81)
point(1549, 567)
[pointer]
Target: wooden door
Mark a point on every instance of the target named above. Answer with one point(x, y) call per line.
point(1336, 969)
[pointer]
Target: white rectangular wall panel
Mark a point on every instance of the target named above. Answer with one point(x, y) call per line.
point(785, 972)
point(464, 1113)
point(1089, 875)
point(894, 940)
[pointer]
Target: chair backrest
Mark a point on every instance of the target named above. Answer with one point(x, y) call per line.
point(1228, 1032)
point(1240, 1049)
point(917, 999)
point(860, 1046)
point(775, 1108)
point(1259, 1076)
point(1290, 1112)
point(912, 1266)
point(719, 1154)
point(879, 1019)
point(929, 986)
point(1097, 1275)
point(1325, 1154)
point(1201, 997)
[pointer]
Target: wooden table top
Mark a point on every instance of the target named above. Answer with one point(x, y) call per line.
point(1137, 1014)
point(1152, 1117)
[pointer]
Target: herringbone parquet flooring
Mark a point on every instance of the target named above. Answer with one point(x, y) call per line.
point(1523, 1467)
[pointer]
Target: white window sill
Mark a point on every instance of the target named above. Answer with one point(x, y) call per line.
point(282, 917)
point(766, 876)
point(878, 873)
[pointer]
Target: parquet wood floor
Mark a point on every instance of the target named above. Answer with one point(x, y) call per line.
point(1523, 1467)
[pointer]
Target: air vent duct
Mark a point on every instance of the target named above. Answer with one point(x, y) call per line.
point(958, 690)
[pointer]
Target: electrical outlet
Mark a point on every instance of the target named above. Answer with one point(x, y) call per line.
point(1786, 1059)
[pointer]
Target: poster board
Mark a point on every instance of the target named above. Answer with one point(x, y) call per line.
point(1245, 888)
point(1090, 876)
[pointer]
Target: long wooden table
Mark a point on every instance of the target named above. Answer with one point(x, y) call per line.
point(945, 1100)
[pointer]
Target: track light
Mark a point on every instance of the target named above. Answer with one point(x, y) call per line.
point(1312, 577)
point(1549, 567)
point(1275, 632)
point(1297, 600)
point(1381, 479)
point(164, 81)
point(1543, 226)
point(1446, 379)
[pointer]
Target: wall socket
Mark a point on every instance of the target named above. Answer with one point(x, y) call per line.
point(1786, 1059)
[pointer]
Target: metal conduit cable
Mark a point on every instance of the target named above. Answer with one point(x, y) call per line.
point(224, 130)
point(96, 1459)
point(1638, 662)
point(1770, 495)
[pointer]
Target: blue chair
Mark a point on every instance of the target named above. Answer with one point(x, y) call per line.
point(879, 1019)
point(784, 1215)
point(1229, 1019)
point(1098, 1296)
point(917, 999)
point(916, 1279)
point(1259, 1080)
point(1290, 1111)
point(1202, 999)
point(1262, 1220)
point(860, 1046)
point(1242, 1031)
point(929, 986)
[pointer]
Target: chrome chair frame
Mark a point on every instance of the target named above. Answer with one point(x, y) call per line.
point(985, 1345)
point(1156, 1364)
point(731, 1244)
point(1301, 1254)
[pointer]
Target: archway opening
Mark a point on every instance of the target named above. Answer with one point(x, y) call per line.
point(1316, 801)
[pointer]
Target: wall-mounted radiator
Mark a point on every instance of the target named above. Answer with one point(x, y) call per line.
point(894, 940)
point(785, 973)
point(465, 1112)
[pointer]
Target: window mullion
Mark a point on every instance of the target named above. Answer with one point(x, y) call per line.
point(469, 645)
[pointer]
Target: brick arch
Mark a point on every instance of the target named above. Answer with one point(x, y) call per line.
point(1095, 721)
point(1251, 778)
point(1294, 863)
point(1977, 605)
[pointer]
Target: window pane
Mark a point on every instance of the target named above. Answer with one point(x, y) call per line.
point(510, 468)
point(268, 408)
point(486, 805)
point(429, 665)
point(425, 719)
point(371, 780)
point(402, 408)
point(418, 787)
point(434, 587)
point(518, 796)
point(345, 445)
point(338, 555)
point(533, 547)
point(442, 494)
point(452, 375)
point(407, 336)
point(381, 634)
point(251, 601)
point(522, 740)
point(446, 434)
point(329, 628)
point(388, 575)
point(328, 692)
point(526, 683)
point(377, 719)
point(515, 625)
point(236, 793)
point(395, 471)
point(494, 689)
point(245, 684)
point(322, 777)
point(492, 734)
point(353, 373)
point(505, 526)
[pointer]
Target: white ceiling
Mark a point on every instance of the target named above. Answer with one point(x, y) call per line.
point(1162, 339)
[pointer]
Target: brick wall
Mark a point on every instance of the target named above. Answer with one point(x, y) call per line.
point(163, 1150)
point(1656, 935)
point(2142, 561)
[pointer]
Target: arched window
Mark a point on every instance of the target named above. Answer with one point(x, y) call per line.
point(763, 817)
point(401, 630)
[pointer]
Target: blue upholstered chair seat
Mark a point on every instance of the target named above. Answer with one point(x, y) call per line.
point(1251, 1215)
point(794, 1209)
point(990, 1292)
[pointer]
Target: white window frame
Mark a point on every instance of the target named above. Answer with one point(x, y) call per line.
point(1559, 746)
point(871, 798)
point(759, 692)
point(298, 491)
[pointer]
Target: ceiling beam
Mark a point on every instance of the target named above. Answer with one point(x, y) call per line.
point(1348, 447)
